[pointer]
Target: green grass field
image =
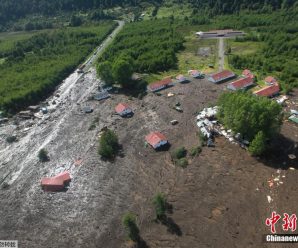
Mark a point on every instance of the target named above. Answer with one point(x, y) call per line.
point(7, 40)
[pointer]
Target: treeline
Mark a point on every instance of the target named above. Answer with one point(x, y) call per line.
point(150, 45)
point(216, 7)
point(36, 66)
point(278, 52)
point(15, 9)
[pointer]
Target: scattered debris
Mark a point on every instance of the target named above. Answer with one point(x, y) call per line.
point(174, 122)
point(171, 94)
point(179, 109)
point(87, 110)
point(282, 99)
point(269, 199)
point(44, 110)
point(291, 156)
point(291, 168)
point(101, 96)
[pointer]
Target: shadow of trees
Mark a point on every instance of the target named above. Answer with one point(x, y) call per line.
point(277, 155)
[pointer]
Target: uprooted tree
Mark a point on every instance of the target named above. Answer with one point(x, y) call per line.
point(257, 119)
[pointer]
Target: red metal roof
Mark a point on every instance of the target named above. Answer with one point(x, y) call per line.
point(222, 75)
point(248, 73)
point(268, 91)
point(121, 107)
point(165, 82)
point(154, 138)
point(180, 77)
point(55, 183)
point(242, 83)
point(65, 176)
point(270, 80)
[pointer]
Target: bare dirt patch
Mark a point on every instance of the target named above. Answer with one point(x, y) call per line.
point(219, 200)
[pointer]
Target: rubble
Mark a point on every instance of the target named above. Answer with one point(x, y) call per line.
point(206, 121)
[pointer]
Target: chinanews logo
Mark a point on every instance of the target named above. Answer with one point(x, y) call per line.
point(289, 224)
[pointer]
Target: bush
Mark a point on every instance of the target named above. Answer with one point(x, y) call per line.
point(180, 153)
point(182, 162)
point(129, 222)
point(195, 151)
point(202, 138)
point(108, 144)
point(11, 139)
point(258, 145)
point(159, 202)
point(43, 155)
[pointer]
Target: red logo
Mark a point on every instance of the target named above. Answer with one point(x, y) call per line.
point(289, 222)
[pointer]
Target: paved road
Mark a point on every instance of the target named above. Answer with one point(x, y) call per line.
point(90, 61)
point(221, 54)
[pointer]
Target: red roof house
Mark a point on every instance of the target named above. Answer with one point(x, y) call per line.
point(123, 109)
point(56, 183)
point(241, 84)
point(248, 73)
point(221, 76)
point(270, 80)
point(181, 79)
point(159, 85)
point(156, 139)
point(268, 91)
point(194, 73)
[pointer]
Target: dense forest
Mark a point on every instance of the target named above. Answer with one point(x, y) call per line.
point(150, 45)
point(15, 9)
point(34, 67)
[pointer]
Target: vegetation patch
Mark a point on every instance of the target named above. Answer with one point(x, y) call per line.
point(148, 46)
point(34, 67)
point(108, 144)
point(257, 119)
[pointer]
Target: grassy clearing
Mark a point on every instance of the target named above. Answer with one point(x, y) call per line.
point(8, 40)
point(244, 48)
point(190, 59)
point(178, 11)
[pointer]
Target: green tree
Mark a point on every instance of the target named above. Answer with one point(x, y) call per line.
point(249, 115)
point(104, 71)
point(75, 21)
point(108, 144)
point(122, 71)
point(159, 202)
point(129, 223)
point(258, 145)
point(43, 155)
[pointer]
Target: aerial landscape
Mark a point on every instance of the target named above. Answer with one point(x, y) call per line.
point(158, 123)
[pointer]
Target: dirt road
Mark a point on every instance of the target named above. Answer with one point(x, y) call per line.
point(221, 54)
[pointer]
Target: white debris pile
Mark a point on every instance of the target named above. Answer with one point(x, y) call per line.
point(282, 99)
point(206, 121)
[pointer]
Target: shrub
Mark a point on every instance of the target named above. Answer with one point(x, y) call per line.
point(159, 202)
point(11, 139)
point(195, 151)
point(180, 153)
point(182, 162)
point(43, 155)
point(108, 144)
point(129, 222)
